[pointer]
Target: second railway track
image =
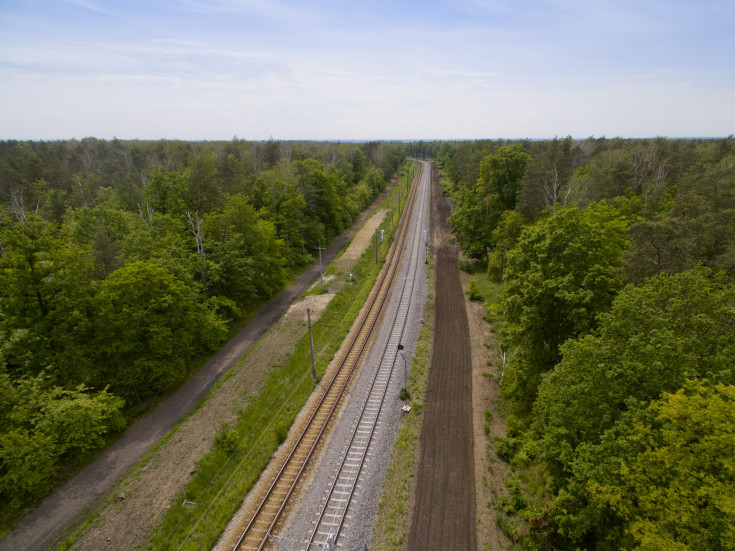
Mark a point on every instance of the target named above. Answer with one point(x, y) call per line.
point(263, 521)
point(330, 522)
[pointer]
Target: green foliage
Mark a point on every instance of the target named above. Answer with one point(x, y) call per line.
point(599, 424)
point(561, 274)
point(488, 415)
point(501, 175)
point(479, 209)
point(474, 292)
point(43, 428)
point(227, 438)
point(675, 486)
point(165, 191)
point(505, 236)
point(506, 448)
point(666, 478)
point(473, 222)
point(696, 227)
point(28, 462)
point(146, 328)
point(248, 252)
point(552, 179)
point(653, 338)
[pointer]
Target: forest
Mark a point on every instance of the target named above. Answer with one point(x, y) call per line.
point(616, 330)
point(124, 264)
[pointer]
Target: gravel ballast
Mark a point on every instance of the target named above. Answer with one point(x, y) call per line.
point(357, 530)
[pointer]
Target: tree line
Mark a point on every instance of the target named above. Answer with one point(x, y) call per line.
point(617, 259)
point(122, 261)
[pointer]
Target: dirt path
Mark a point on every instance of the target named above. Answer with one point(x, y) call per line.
point(68, 504)
point(488, 422)
point(444, 511)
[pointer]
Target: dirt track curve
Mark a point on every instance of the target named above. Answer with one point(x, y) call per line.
point(444, 511)
point(68, 504)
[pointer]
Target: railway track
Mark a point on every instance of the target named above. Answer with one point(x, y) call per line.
point(256, 535)
point(331, 519)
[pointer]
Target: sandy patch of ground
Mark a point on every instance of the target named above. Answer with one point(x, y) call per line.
point(143, 497)
point(361, 241)
point(315, 303)
point(489, 470)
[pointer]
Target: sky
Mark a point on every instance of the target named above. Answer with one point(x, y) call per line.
point(374, 69)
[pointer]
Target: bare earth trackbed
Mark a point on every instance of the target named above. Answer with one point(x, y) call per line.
point(68, 504)
point(444, 511)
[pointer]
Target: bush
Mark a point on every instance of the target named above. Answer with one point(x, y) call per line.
point(474, 292)
point(469, 266)
point(226, 438)
point(507, 448)
point(488, 421)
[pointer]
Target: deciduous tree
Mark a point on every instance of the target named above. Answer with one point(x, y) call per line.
point(560, 276)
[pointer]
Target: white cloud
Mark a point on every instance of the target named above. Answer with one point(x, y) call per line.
point(257, 68)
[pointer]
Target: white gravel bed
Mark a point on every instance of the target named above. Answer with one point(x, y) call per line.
point(357, 531)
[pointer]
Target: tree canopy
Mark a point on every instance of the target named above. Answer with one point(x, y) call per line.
point(617, 263)
point(560, 275)
point(120, 262)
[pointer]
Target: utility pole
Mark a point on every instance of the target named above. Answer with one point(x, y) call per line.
point(376, 246)
point(405, 367)
point(399, 204)
point(321, 272)
point(311, 345)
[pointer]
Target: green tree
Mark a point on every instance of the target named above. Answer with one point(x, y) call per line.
point(480, 208)
point(501, 175)
point(146, 325)
point(559, 277)
point(204, 193)
point(286, 211)
point(670, 475)
point(248, 252)
point(473, 222)
point(324, 205)
point(43, 427)
point(653, 338)
point(359, 164)
point(166, 191)
point(505, 236)
point(695, 225)
point(45, 298)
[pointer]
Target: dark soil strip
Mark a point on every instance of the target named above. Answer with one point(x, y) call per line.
point(81, 494)
point(444, 510)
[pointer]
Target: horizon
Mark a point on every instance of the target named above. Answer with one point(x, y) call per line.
point(379, 140)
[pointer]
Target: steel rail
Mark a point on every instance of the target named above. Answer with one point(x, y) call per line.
point(330, 524)
point(256, 534)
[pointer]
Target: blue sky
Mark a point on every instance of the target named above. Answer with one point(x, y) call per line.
point(375, 69)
